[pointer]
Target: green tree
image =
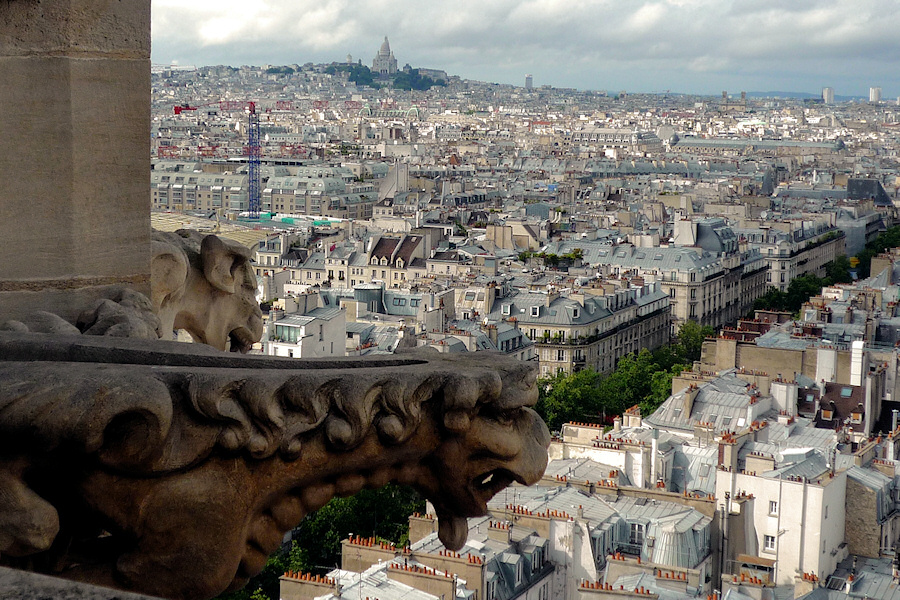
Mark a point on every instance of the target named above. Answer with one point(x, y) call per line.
point(628, 384)
point(690, 339)
point(838, 270)
point(565, 398)
point(383, 513)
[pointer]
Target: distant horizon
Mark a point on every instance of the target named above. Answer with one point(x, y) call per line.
point(758, 94)
point(644, 46)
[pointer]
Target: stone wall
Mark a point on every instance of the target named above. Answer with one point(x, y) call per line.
point(862, 531)
point(75, 156)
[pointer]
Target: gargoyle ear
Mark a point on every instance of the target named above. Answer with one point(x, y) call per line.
point(168, 271)
point(219, 261)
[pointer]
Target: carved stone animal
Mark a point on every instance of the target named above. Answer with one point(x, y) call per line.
point(205, 285)
point(174, 470)
point(200, 283)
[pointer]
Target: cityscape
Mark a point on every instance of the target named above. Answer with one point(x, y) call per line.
point(747, 237)
point(519, 300)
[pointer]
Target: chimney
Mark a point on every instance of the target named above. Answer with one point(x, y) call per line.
point(617, 423)
point(690, 393)
point(894, 414)
point(492, 334)
point(857, 358)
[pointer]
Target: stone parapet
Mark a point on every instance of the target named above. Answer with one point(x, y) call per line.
point(175, 469)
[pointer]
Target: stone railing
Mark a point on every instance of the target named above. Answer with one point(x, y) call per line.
point(174, 470)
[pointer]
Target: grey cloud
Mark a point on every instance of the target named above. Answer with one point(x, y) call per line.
point(588, 44)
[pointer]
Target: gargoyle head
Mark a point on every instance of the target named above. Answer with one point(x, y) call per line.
point(494, 444)
point(206, 286)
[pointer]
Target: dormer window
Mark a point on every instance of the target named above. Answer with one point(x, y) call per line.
point(374, 260)
point(827, 414)
point(576, 313)
point(535, 311)
point(504, 309)
point(399, 263)
point(383, 261)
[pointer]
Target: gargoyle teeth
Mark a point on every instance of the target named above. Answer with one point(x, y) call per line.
point(453, 532)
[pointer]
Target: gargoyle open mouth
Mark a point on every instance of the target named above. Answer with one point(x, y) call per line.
point(240, 340)
point(486, 485)
point(452, 528)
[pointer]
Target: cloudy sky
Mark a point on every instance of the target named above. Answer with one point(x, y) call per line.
point(699, 46)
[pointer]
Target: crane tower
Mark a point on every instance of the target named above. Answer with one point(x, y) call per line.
point(253, 151)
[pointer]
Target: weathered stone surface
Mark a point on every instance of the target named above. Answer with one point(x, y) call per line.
point(75, 27)
point(23, 585)
point(75, 152)
point(174, 470)
point(206, 286)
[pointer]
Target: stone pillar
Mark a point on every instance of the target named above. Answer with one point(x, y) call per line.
point(75, 152)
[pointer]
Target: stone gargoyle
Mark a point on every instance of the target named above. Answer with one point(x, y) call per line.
point(205, 285)
point(175, 470)
point(200, 283)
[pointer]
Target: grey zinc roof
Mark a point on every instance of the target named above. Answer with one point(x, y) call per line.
point(808, 468)
point(584, 469)
point(776, 338)
point(648, 582)
point(375, 583)
point(694, 469)
point(672, 258)
point(722, 401)
point(873, 580)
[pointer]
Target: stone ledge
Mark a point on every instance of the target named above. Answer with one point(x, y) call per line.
point(23, 585)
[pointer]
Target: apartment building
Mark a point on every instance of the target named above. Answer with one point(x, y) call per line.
point(795, 247)
point(176, 190)
point(318, 333)
point(586, 328)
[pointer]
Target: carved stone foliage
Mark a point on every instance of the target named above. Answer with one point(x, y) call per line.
point(175, 470)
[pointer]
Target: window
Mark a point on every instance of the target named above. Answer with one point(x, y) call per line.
point(769, 543)
point(535, 311)
point(321, 332)
point(637, 534)
point(560, 355)
point(414, 302)
point(773, 507)
point(399, 302)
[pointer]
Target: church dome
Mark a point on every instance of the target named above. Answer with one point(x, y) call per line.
point(385, 47)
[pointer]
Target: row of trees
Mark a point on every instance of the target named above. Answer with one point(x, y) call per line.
point(886, 240)
point(803, 287)
point(403, 80)
point(644, 379)
point(837, 271)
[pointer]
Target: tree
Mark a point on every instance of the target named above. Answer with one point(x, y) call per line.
point(383, 513)
point(629, 384)
point(690, 338)
point(838, 270)
point(565, 398)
